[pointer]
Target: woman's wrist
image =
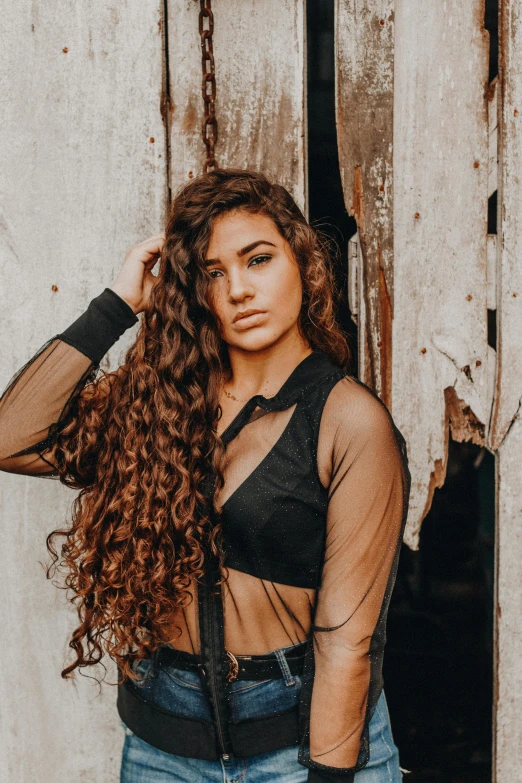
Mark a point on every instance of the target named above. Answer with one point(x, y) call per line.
point(96, 330)
point(121, 295)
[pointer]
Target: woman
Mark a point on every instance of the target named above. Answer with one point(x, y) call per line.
point(235, 541)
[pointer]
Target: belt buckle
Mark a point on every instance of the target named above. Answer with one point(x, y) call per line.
point(233, 669)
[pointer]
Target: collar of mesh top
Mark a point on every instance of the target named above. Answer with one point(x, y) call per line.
point(313, 369)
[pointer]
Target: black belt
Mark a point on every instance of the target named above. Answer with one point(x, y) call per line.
point(241, 667)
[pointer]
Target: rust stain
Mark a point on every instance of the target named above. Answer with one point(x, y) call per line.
point(491, 89)
point(358, 201)
point(190, 118)
point(54, 288)
point(166, 106)
point(65, 50)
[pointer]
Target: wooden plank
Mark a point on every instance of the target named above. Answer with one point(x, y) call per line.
point(506, 429)
point(493, 140)
point(509, 271)
point(82, 176)
point(440, 168)
point(260, 101)
point(356, 298)
point(507, 761)
point(364, 113)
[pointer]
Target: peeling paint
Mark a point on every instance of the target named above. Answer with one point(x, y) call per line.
point(464, 424)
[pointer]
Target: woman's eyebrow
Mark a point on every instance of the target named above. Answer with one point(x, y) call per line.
point(241, 252)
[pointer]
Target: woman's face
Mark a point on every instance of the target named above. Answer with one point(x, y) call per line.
point(253, 269)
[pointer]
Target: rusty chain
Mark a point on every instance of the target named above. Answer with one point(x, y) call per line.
point(209, 129)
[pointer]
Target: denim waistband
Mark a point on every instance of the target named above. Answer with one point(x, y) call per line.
point(288, 661)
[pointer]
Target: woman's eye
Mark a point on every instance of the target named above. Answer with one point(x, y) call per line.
point(260, 260)
point(256, 261)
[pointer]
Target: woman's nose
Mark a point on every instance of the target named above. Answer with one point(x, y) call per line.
point(239, 286)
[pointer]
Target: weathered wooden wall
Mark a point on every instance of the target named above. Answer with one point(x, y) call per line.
point(425, 265)
point(83, 175)
point(90, 141)
point(81, 180)
point(364, 56)
point(413, 148)
point(440, 354)
point(260, 56)
point(506, 426)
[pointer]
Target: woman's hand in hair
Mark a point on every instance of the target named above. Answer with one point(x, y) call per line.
point(135, 279)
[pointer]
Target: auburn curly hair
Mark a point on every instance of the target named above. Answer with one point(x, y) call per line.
point(141, 442)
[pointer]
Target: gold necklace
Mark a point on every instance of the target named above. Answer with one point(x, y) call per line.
point(231, 396)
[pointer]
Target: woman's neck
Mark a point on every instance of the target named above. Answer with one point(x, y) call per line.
point(264, 372)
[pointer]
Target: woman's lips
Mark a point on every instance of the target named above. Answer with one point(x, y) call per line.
point(248, 320)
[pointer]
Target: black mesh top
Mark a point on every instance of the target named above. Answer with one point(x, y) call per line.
point(314, 506)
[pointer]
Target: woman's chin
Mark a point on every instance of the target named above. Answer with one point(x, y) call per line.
point(253, 340)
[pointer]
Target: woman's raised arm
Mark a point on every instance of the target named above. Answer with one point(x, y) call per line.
point(36, 401)
point(35, 404)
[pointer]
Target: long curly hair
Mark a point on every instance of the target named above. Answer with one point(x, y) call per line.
point(141, 442)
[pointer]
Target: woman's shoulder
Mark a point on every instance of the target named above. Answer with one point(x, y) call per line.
point(355, 416)
point(350, 400)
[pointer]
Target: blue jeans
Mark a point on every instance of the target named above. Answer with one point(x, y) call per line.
point(180, 691)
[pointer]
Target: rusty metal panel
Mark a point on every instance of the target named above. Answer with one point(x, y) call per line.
point(260, 63)
point(440, 352)
point(506, 428)
point(82, 176)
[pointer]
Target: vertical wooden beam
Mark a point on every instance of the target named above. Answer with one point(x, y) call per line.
point(506, 426)
point(260, 56)
point(440, 170)
point(82, 176)
point(364, 49)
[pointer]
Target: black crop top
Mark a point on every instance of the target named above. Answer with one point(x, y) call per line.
point(313, 510)
point(282, 500)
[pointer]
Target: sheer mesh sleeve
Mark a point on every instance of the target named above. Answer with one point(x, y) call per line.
point(362, 459)
point(37, 399)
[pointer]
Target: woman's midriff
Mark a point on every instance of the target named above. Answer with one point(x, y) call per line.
point(260, 616)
